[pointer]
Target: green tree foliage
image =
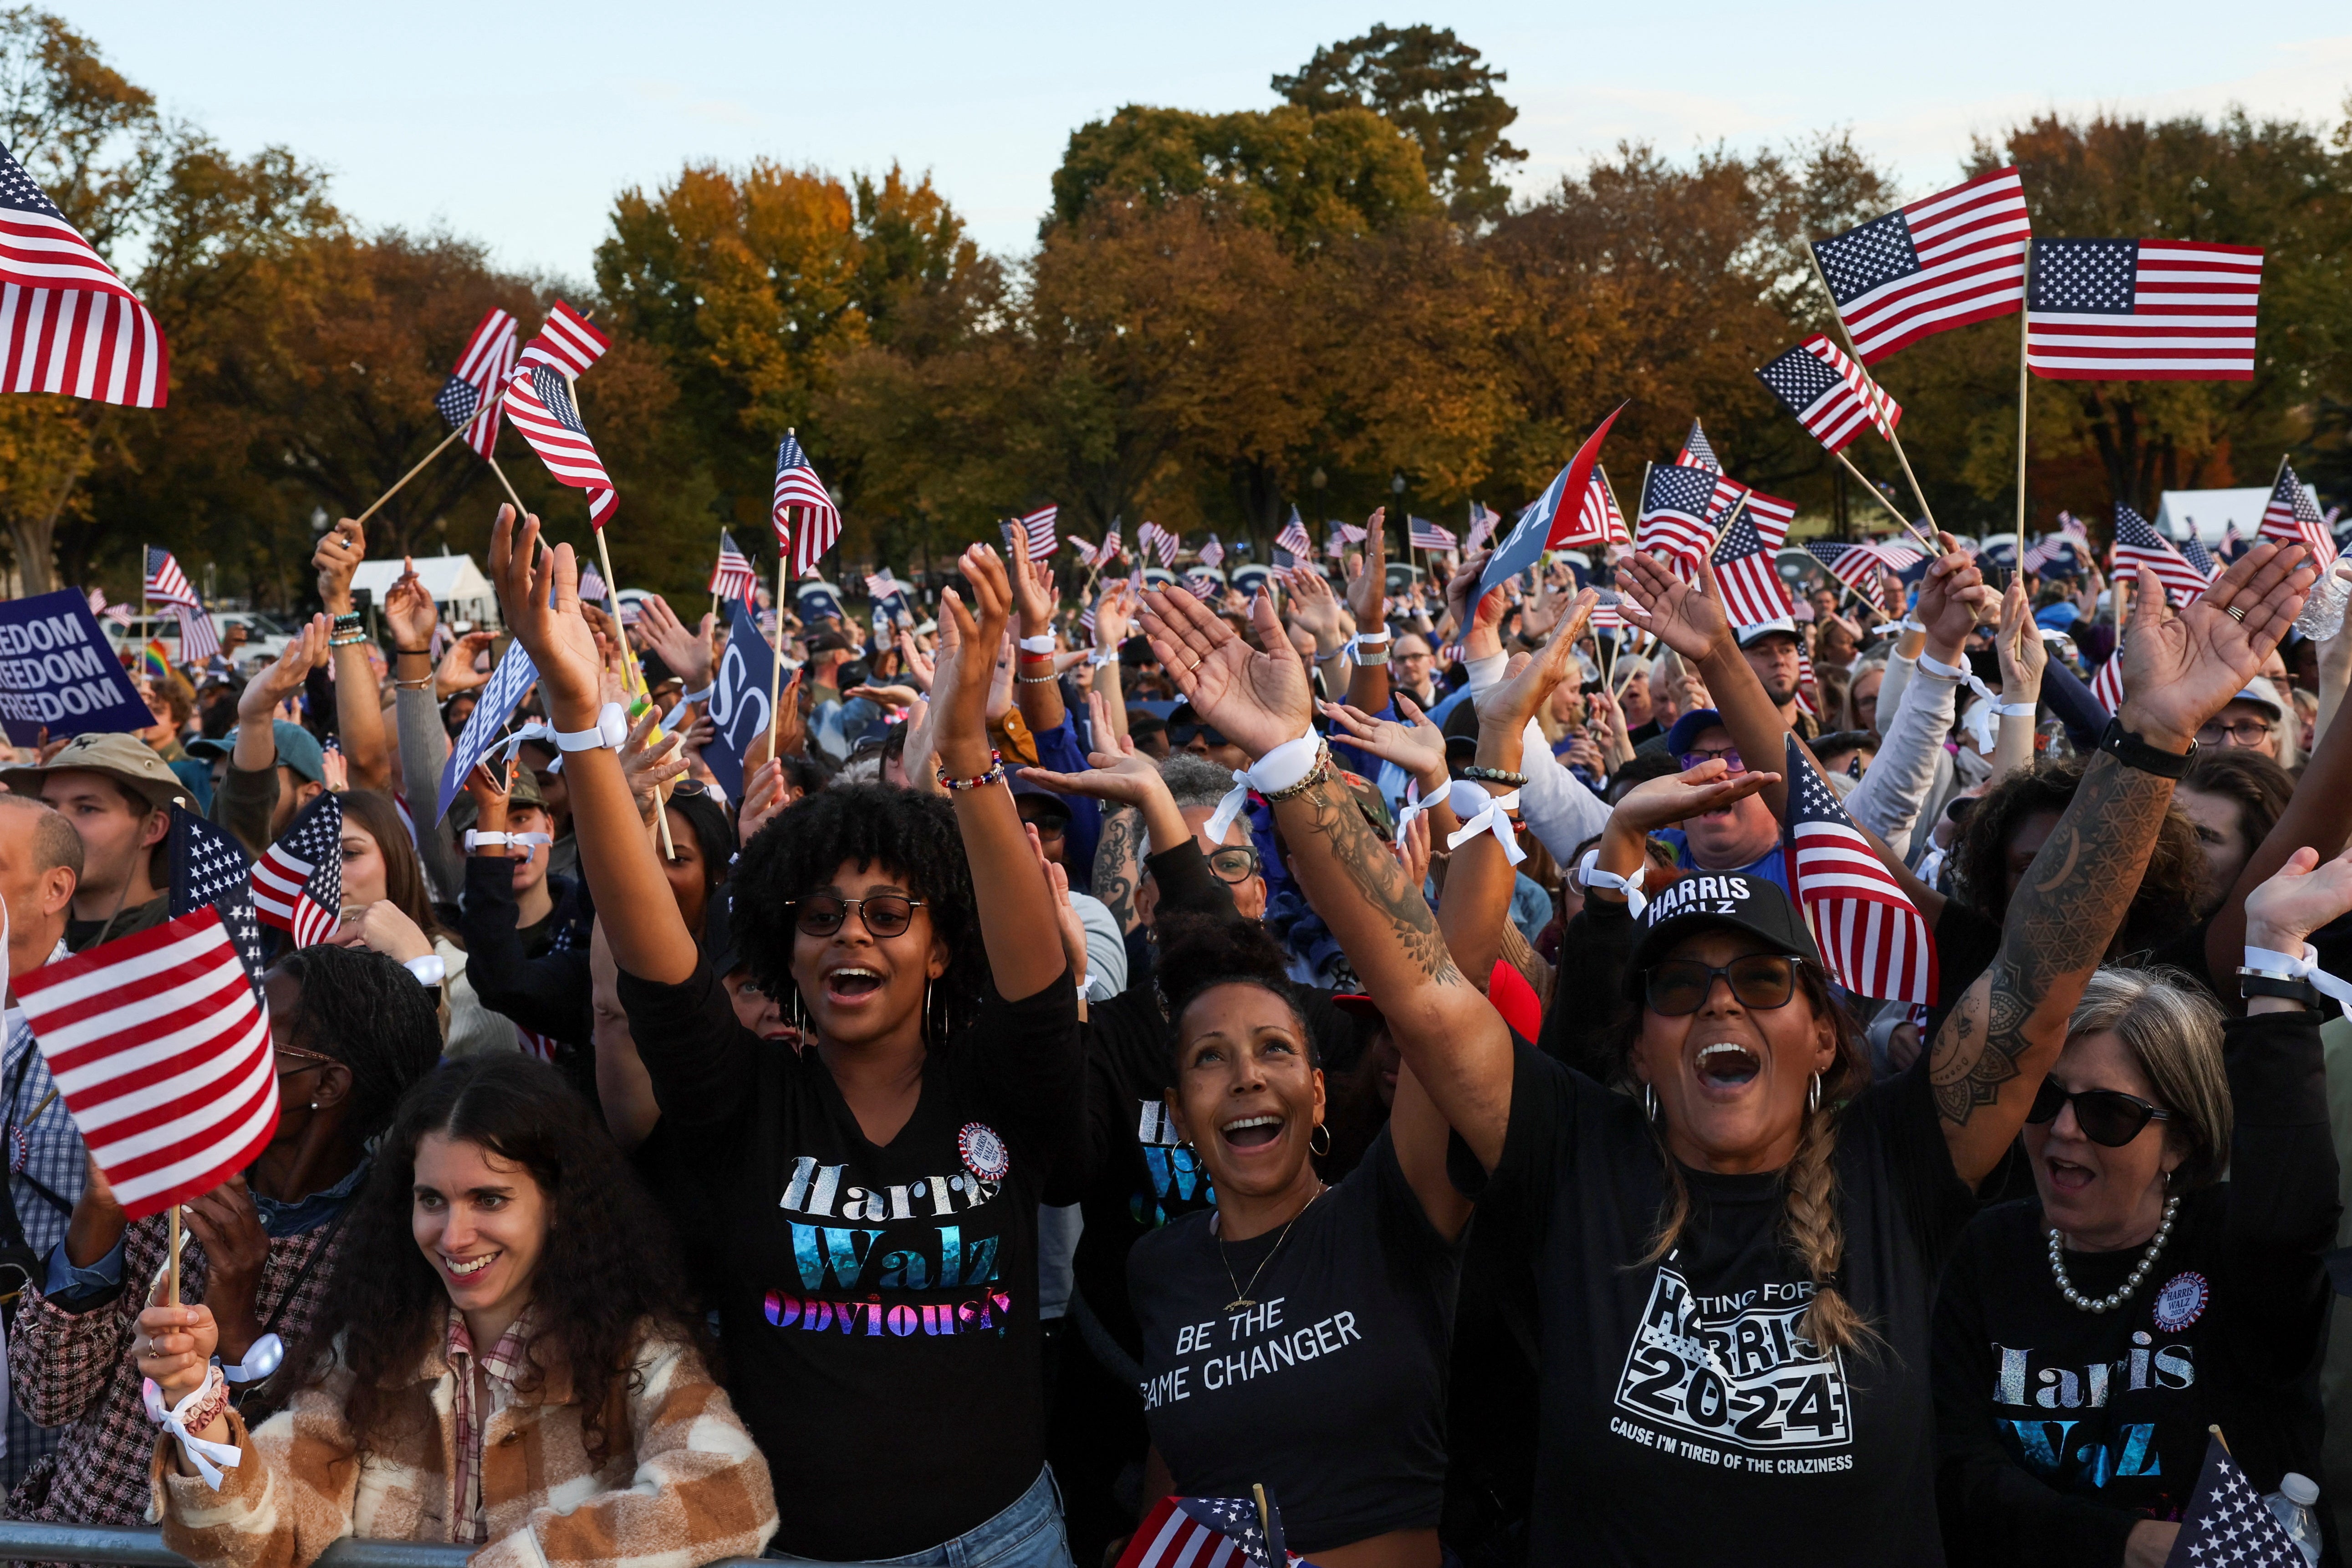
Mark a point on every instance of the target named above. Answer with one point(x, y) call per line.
point(1430, 85)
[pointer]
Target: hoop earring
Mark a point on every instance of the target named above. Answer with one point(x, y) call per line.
point(1324, 1130)
point(1814, 1094)
point(1650, 1101)
point(927, 1008)
point(800, 1017)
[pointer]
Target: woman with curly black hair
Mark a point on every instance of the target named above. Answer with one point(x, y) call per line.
point(445, 1394)
point(877, 1192)
point(1297, 1336)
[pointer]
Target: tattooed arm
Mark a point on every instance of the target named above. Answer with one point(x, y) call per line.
point(1119, 865)
point(1992, 1052)
point(1455, 1044)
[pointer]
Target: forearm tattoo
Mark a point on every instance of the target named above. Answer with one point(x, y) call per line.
point(2061, 920)
point(1118, 864)
point(1372, 874)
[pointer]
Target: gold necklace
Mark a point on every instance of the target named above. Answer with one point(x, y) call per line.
point(1241, 1297)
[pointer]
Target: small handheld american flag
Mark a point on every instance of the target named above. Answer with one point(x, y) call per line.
point(168, 585)
point(67, 322)
point(1886, 414)
point(2137, 546)
point(485, 366)
point(798, 486)
point(733, 578)
point(1824, 402)
point(2142, 309)
point(1942, 262)
point(567, 340)
point(1772, 516)
point(1109, 549)
point(1042, 538)
point(1483, 521)
point(1426, 535)
point(1293, 538)
point(1752, 591)
point(1871, 935)
point(1156, 543)
point(1208, 1532)
point(2227, 1522)
point(1212, 554)
point(539, 401)
point(298, 884)
point(2292, 517)
point(1672, 519)
point(1697, 452)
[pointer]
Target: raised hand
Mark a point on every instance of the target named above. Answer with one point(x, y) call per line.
point(1114, 614)
point(1687, 617)
point(918, 663)
point(2303, 896)
point(685, 651)
point(2023, 654)
point(1478, 623)
point(960, 704)
point(648, 766)
point(1662, 802)
point(282, 679)
point(173, 1347)
point(2182, 666)
point(1952, 596)
point(341, 551)
point(1033, 593)
point(764, 796)
point(1506, 708)
point(1125, 777)
point(1417, 745)
point(1368, 583)
point(458, 672)
point(410, 611)
point(557, 637)
point(1259, 699)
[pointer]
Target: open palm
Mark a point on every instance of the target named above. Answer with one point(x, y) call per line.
point(1259, 699)
point(1676, 797)
point(1515, 702)
point(1681, 615)
point(2182, 666)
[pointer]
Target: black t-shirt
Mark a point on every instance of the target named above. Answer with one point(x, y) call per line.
point(1331, 1389)
point(879, 1305)
point(2061, 1429)
point(1684, 1421)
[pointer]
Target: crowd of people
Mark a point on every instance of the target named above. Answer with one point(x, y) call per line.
point(1363, 1039)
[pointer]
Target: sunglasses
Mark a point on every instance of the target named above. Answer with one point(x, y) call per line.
point(2108, 1117)
point(1238, 864)
point(885, 915)
point(1182, 734)
point(1761, 981)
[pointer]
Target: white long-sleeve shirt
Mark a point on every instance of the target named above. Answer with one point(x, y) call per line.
point(1554, 803)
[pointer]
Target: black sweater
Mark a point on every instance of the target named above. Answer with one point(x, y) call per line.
point(543, 985)
point(2060, 1430)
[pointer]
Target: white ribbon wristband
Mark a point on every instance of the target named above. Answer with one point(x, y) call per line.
point(611, 732)
point(475, 838)
point(429, 969)
point(210, 1459)
point(1277, 770)
point(2017, 709)
point(1037, 644)
point(1495, 818)
point(1589, 874)
point(702, 696)
point(2304, 968)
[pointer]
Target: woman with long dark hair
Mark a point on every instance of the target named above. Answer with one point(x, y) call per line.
point(1733, 1272)
point(506, 1353)
point(877, 1192)
point(386, 907)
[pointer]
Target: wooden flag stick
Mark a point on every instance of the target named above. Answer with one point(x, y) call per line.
point(412, 473)
point(714, 572)
point(2023, 383)
point(507, 485)
point(776, 640)
point(174, 1299)
point(1929, 545)
point(631, 676)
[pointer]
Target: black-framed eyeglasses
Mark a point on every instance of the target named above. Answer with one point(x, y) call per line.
point(2108, 1117)
point(1727, 755)
point(1761, 981)
point(883, 914)
point(1235, 865)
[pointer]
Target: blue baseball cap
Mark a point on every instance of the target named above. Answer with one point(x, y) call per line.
point(300, 750)
point(1687, 729)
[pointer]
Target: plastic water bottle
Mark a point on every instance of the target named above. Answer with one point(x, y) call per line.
point(2290, 1505)
point(2323, 611)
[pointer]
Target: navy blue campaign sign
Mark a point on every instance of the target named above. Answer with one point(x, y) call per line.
point(739, 699)
point(1553, 514)
point(496, 704)
point(57, 672)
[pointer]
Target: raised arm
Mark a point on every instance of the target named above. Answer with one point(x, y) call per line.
point(1035, 687)
point(1453, 1041)
point(1990, 1057)
point(1367, 684)
point(359, 707)
point(2023, 657)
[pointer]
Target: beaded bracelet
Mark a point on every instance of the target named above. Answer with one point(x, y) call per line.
point(995, 774)
point(1495, 775)
point(347, 639)
point(1315, 775)
point(347, 621)
point(1046, 680)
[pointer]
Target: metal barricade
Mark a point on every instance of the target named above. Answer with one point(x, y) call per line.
point(24, 1541)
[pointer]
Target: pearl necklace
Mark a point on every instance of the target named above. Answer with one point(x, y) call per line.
point(2123, 1293)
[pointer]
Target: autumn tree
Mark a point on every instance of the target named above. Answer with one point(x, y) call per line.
point(1432, 86)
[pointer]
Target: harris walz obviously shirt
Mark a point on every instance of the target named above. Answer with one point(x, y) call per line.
point(878, 1304)
point(1685, 1418)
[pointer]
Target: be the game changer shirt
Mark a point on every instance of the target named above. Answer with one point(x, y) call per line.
point(1684, 1417)
point(878, 1304)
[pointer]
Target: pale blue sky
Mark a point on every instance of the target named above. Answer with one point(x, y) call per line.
point(516, 124)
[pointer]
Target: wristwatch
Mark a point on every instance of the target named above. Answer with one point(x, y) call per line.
point(611, 729)
point(2133, 752)
point(2253, 983)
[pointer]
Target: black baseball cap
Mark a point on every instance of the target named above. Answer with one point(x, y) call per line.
point(1741, 900)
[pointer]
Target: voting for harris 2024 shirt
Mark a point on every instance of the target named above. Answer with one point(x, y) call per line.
point(879, 1303)
point(1685, 1418)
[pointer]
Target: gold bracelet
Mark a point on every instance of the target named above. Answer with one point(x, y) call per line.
point(1315, 775)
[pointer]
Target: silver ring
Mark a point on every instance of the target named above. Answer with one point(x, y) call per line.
point(2234, 613)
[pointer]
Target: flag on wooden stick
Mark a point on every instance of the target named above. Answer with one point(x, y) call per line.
point(68, 324)
point(539, 401)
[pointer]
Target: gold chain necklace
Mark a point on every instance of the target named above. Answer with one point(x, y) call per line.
point(1241, 1297)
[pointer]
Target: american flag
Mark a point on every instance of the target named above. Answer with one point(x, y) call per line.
point(1807, 691)
point(1212, 554)
point(1609, 609)
point(1886, 414)
point(1752, 591)
point(2292, 517)
point(2227, 1522)
point(167, 586)
point(1425, 534)
point(539, 401)
point(1675, 503)
point(298, 884)
point(1772, 516)
point(2108, 685)
point(1942, 262)
point(2043, 551)
point(1824, 402)
point(1207, 1533)
point(2072, 528)
point(1858, 565)
point(1293, 539)
point(1871, 935)
point(2142, 309)
point(487, 364)
point(2199, 557)
point(733, 578)
point(566, 341)
point(591, 587)
point(67, 322)
point(797, 485)
point(2137, 544)
point(2233, 543)
point(1039, 524)
point(1698, 452)
point(1108, 550)
point(1483, 523)
point(1156, 543)
point(882, 585)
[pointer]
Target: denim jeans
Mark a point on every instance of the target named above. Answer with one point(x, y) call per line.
point(1027, 1533)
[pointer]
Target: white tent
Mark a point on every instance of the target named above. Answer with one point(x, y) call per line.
point(2209, 513)
point(456, 584)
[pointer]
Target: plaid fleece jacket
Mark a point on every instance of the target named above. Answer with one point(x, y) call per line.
point(75, 1368)
point(683, 1485)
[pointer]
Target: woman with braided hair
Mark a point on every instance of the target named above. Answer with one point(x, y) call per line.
point(1733, 1271)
